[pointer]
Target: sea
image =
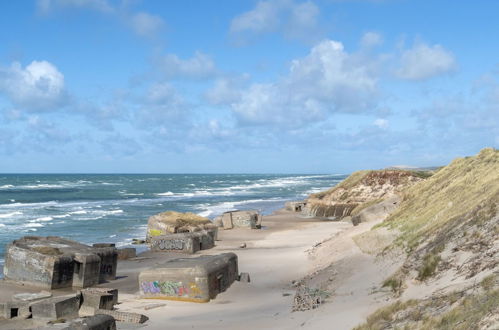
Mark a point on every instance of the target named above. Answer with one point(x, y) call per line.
point(114, 208)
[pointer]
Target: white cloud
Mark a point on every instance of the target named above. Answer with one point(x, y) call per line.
point(424, 61)
point(38, 86)
point(146, 25)
point(328, 79)
point(199, 66)
point(381, 123)
point(226, 90)
point(371, 39)
point(293, 19)
point(162, 105)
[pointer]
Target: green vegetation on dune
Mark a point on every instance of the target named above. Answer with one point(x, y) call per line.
point(348, 183)
point(456, 310)
point(464, 185)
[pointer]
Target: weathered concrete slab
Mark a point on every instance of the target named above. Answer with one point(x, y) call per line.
point(190, 279)
point(53, 262)
point(27, 297)
point(126, 317)
point(240, 219)
point(64, 307)
point(184, 242)
point(96, 322)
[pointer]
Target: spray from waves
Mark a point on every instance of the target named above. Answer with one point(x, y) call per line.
point(217, 209)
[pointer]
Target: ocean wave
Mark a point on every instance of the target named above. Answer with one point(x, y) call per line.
point(2, 225)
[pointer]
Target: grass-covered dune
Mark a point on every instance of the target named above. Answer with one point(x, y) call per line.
point(360, 189)
point(447, 228)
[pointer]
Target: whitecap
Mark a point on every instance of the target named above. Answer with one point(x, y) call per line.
point(168, 193)
point(11, 214)
point(33, 224)
point(79, 212)
point(44, 219)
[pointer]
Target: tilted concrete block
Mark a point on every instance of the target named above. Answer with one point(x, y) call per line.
point(65, 307)
point(190, 279)
point(99, 298)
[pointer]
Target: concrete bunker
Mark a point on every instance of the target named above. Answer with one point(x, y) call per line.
point(296, 206)
point(240, 219)
point(190, 279)
point(184, 242)
point(53, 262)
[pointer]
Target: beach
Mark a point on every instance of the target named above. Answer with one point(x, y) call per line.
point(288, 248)
point(277, 257)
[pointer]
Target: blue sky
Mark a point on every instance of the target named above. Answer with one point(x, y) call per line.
point(270, 86)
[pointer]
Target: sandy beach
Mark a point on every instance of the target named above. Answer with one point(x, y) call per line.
point(286, 250)
point(289, 248)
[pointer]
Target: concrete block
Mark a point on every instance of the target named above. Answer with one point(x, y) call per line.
point(184, 242)
point(86, 270)
point(190, 279)
point(99, 298)
point(65, 307)
point(15, 309)
point(53, 262)
point(241, 219)
point(127, 253)
point(126, 317)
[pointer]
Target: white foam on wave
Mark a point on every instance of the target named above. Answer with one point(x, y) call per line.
point(33, 224)
point(9, 215)
point(217, 209)
point(44, 219)
point(2, 225)
point(168, 193)
point(79, 212)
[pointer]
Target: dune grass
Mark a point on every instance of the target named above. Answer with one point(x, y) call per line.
point(448, 194)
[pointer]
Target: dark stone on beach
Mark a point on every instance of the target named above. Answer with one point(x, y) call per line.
point(57, 308)
point(138, 241)
point(244, 278)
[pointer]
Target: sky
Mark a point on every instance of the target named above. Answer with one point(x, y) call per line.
point(223, 86)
